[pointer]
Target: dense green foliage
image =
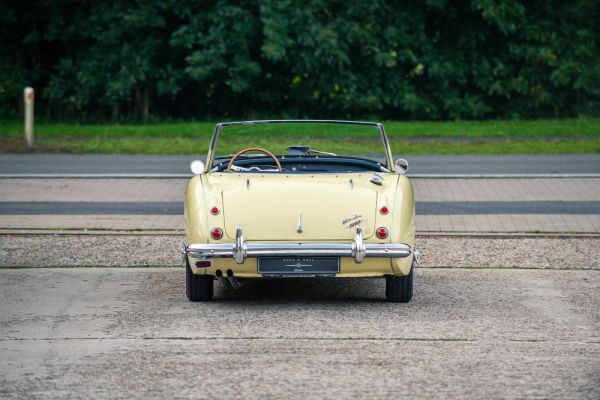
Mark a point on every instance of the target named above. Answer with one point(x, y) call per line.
point(431, 59)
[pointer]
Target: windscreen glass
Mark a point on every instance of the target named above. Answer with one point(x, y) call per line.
point(308, 138)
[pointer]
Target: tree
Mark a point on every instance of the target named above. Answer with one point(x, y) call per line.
point(428, 60)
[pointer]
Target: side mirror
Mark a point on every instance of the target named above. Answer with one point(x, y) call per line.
point(401, 166)
point(197, 167)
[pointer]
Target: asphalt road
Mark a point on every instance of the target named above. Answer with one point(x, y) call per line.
point(422, 208)
point(131, 333)
point(445, 165)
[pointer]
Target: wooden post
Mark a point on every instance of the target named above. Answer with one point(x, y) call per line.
point(29, 98)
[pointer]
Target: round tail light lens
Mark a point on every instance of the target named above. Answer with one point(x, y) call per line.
point(384, 210)
point(214, 211)
point(381, 233)
point(216, 233)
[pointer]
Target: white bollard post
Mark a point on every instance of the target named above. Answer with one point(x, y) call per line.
point(29, 98)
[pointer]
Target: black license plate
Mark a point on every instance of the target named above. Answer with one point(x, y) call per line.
point(298, 266)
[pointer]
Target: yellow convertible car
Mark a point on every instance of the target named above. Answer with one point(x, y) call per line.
point(333, 205)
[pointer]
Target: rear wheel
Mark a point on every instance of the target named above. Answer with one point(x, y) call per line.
point(399, 289)
point(197, 287)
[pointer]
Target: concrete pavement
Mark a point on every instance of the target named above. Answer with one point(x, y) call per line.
point(130, 333)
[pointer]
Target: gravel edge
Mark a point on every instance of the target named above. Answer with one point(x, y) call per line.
point(163, 250)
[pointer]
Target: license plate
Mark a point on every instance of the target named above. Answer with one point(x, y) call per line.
point(298, 266)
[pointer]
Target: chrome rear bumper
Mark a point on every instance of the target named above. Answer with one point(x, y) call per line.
point(240, 250)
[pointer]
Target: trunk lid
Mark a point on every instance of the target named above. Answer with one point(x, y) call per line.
point(272, 209)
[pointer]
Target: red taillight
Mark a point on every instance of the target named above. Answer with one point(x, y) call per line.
point(214, 211)
point(216, 233)
point(381, 233)
point(384, 210)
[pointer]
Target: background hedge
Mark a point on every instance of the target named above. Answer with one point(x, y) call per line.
point(430, 59)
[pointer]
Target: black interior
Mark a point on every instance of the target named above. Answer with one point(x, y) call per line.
point(302, 164)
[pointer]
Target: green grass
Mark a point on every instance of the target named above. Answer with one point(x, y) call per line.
point(471, 137)
point(471, 129)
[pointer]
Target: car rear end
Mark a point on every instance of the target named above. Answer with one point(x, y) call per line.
point(285, 225)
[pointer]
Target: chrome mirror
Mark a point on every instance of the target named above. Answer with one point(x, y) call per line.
point(197, 167)
point(401, 166)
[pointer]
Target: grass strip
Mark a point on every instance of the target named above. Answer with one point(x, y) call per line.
point(569, 136)
point(185, 146)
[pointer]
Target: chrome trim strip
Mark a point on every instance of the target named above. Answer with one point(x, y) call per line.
point(299, 227)
point(241, 250)
point(387, 148)
point(211, 149)
point(295, 121)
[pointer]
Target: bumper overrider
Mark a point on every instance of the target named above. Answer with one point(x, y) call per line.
point(240, 250)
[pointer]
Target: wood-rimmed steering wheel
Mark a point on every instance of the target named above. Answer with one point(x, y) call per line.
point(261, 150)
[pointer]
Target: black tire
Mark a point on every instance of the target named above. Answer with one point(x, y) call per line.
point(197, 287)
point(399, 289)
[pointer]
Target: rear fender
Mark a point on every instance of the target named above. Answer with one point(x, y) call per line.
point(403, 222)
point(196, 214)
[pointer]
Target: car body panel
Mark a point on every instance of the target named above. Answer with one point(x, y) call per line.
point(323, 207)
point(264, 205)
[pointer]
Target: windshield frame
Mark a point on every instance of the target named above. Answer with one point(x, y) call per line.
point(218, 127)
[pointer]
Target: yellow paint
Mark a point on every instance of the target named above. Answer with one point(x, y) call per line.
point(266, 206)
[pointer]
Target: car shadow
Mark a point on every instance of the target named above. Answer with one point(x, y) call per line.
point(293, 290)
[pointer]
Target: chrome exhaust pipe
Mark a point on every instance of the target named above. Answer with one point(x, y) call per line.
point(222, 280)
point(232, 280)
